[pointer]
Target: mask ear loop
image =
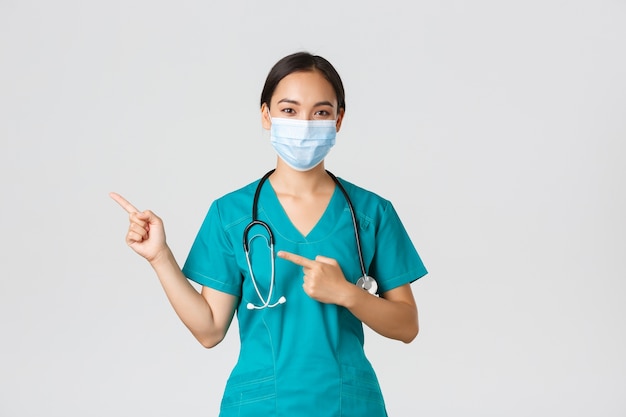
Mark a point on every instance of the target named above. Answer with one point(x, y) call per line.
point(269, 116)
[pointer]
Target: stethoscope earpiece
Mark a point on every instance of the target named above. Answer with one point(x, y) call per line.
point(281, 300)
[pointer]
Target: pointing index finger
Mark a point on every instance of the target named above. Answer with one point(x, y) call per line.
point(296, 259)
point(124, 203)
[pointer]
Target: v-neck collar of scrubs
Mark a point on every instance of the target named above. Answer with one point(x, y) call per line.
point(282, 224)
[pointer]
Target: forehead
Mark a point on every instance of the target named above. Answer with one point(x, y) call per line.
point(305, 86)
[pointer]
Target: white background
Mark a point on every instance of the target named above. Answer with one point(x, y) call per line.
point(496, 128)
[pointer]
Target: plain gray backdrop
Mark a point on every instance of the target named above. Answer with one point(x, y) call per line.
point(496, 128)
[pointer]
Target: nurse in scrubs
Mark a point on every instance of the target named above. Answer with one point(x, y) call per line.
point(293, 281)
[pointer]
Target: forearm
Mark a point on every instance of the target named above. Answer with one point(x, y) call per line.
point(394, 317)
point(190, 306)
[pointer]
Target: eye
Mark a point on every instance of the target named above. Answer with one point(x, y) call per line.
point(288, 110)
point(322, 114)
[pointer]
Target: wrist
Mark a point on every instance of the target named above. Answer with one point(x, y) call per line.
point(161, 257)
point(351, 296)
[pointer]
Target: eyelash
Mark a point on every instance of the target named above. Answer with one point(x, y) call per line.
point(320, 113)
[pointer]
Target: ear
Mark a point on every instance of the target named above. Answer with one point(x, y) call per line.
point(266, 122)
point(339, 118)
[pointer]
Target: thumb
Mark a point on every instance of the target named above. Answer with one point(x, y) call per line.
point(149, 216)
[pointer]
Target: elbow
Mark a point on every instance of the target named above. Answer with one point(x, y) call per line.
point(411, 335)
point(210, 341)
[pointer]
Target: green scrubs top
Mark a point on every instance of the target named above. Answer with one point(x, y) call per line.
point(300, 358)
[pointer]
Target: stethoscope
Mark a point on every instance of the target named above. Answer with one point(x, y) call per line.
point(365, 282)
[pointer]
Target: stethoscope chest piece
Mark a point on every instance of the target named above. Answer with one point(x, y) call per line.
point(369, 284)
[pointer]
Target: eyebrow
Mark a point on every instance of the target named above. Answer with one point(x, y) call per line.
point(290, 101)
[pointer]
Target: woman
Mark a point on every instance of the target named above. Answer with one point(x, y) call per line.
point(300, 313)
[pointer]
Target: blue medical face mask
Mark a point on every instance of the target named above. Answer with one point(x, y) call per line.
point(302, 144)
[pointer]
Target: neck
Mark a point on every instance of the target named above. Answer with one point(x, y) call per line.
point(286, 180)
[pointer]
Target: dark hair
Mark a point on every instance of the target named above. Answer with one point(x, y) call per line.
point(302, 61)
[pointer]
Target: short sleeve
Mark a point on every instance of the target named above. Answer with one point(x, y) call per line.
point(396, 261)
point(211, 260)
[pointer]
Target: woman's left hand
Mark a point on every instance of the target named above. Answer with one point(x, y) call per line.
point(393, 314)
point(324, 280)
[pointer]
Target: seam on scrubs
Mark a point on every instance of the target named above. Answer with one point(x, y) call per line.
point(247, 382)
point(364, 220)
point(237, 222)
point(248, 391)
point(273, 362)
point(406, 278)
point(212, 283)
point(301, 238)
point(360, 384)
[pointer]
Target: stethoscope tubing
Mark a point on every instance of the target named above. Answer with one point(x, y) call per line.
point(256, 222)
point(354, 222)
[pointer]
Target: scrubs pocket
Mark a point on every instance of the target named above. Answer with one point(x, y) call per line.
point(360, 393)
point(252, 393)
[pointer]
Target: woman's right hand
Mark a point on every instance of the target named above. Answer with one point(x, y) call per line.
point(146, 234)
